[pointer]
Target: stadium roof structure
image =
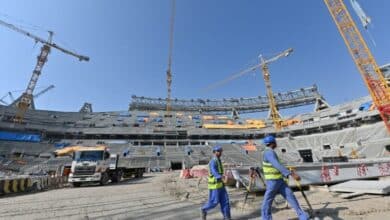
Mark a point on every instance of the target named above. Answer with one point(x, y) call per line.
point(290, 99)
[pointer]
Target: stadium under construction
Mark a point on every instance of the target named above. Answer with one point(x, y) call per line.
point(44, 149)
point(184, 139)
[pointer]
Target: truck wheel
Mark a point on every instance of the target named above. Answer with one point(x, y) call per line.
point(104, 179)
point(139, 174)
point(117, 177)
point(76, 184)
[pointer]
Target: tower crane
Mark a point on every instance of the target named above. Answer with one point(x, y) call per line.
point(11, 96)
point(169, 70)
point(363, 58)
point(263, 65)
point(274, 113)
point(33, 97)
point(2, 100)
point(26, 98)
point(14, 102)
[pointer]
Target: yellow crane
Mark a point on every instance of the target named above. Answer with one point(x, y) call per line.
point(274, 113)
point(363, 58)
point(27, 96)
point(263, 65)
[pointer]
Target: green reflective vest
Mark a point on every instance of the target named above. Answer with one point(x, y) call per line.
point(212, 181)
point(270, 172)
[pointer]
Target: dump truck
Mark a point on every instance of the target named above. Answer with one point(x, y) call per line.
point(95, 164)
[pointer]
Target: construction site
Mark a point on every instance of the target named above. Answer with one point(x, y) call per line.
point(152, 160)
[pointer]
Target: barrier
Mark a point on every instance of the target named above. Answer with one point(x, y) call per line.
point(8, 186)
point(31, 184)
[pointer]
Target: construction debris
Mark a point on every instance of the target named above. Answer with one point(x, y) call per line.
point(363, 186)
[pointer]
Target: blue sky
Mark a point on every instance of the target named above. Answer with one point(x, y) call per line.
point(127, 41)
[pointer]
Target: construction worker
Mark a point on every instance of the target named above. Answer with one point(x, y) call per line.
point(217, 191)
point(274, 172)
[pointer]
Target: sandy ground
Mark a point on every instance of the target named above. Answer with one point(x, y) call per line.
point(133, 199)
point(326, 205)
point(165, 196)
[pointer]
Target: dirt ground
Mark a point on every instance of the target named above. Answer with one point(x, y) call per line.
point(326, 205)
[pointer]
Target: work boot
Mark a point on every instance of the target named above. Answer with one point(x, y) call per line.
point(203, 214)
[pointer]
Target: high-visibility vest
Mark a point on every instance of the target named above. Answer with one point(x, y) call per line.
point(212, 181)
point(270, 172)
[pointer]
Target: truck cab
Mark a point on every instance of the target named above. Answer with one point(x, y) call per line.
point(90, 164)
point(97, 165)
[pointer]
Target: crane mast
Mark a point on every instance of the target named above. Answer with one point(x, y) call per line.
point(169, 70)
point(27, 96)
point(274, 113)
point(363, 58)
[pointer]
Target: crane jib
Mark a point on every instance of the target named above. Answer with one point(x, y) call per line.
point(39, 39)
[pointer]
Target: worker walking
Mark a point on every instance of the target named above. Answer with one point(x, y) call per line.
point(217, 191)
point(274, 172)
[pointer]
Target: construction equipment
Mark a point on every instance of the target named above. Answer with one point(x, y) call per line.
point(2, 99)
point(43, 91)
point(360, 13)
point(169, 70)
point(97, 164)
point(32, 104)
point(298, 184)
point(253, 172)
point(26, 98)
point(363, 58)
point(274, 113)
point(311, 211)
point(14, 102)
point(86, 108)
point(11, 96)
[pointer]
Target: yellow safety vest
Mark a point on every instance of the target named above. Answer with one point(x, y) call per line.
point(212, 181)
point(270, 172)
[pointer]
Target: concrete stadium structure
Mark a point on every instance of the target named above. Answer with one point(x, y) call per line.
point(173, 142)
point(149, 138)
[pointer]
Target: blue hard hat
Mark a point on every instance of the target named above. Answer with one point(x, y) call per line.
point(217, 148)
point(269, 139)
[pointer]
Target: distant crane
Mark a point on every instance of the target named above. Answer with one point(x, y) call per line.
point(274, 113)
point(363, 58)
point(43, 91)
point(169, 70)
point(11, 96)
point(32, 103)
point(26, 98)
point(2, 100)
point(15, 102)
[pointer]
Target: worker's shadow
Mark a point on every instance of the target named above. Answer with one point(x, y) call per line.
point(332, 213)
point(321, 214)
